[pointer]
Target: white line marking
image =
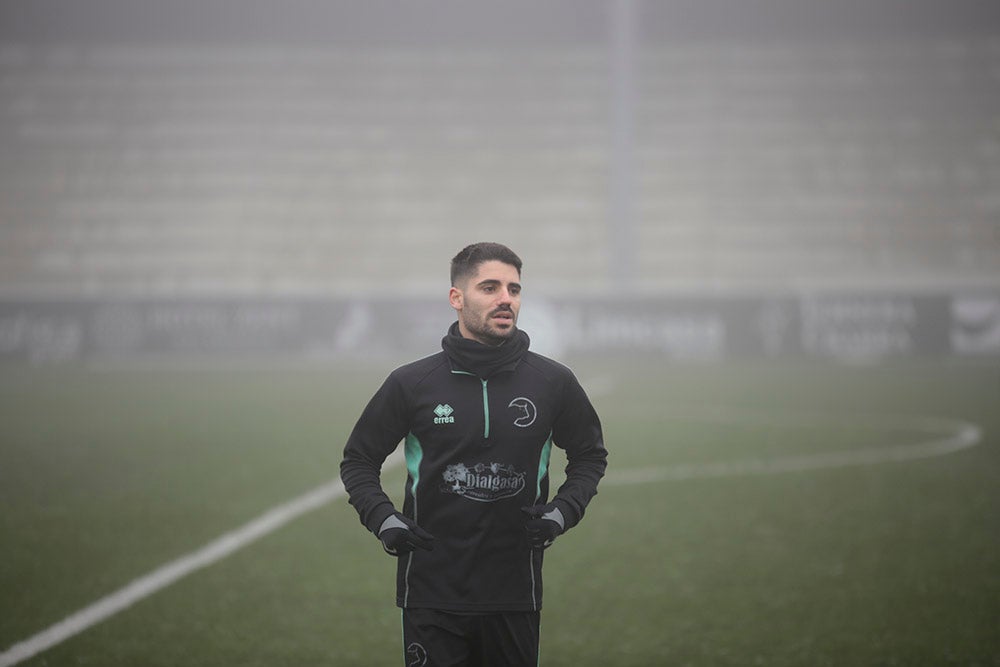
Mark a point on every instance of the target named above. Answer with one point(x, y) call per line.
point(223, 546)
point(958, 435)
point(166, 575)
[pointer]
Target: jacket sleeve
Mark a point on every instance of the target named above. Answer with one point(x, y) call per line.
point(376, 435)
point(578, 431)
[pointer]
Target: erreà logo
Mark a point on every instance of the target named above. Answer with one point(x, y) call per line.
point(483, 482)
point(443, 413)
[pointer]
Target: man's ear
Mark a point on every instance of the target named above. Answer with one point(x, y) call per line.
point(455, 298)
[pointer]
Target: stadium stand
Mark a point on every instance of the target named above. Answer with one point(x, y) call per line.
point(847, 164)
point(172, 170)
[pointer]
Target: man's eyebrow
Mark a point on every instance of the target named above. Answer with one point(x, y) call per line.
point(494, 281)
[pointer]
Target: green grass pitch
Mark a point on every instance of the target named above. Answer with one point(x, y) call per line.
point(689, 555)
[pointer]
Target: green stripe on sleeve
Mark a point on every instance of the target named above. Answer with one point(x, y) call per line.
point(543, 466)
point(414, 456)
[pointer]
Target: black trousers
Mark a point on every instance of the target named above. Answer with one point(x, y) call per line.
point(434, 638)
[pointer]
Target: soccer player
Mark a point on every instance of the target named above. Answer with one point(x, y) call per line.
point(478, 421)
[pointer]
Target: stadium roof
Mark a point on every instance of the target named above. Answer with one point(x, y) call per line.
point(392, 22)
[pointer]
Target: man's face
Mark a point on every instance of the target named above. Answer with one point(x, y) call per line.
point(488, 302)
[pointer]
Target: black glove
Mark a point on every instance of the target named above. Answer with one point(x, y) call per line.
point(400, 535)
point(544, 525)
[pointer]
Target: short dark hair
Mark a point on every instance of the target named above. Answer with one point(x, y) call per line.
point(466, 262)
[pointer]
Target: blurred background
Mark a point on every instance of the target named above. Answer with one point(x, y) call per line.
point(251, 180)
point(764, 233)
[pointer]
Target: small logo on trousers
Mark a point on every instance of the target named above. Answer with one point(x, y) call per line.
point(416, 655)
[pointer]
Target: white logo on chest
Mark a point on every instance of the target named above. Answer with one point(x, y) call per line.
point(525, 411)
point(443, 413)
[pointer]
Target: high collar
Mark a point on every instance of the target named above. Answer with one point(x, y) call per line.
point(484, 360)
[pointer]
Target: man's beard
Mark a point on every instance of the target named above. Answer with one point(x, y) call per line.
point(489, 335)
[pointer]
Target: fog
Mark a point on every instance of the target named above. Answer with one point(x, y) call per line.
point(706, 180)
point(765, 234)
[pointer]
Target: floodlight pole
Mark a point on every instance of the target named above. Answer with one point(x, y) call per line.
point(621, 225)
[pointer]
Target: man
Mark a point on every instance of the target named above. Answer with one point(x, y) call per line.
point(478, 420)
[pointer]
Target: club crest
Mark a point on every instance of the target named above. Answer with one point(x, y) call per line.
point(525, 411)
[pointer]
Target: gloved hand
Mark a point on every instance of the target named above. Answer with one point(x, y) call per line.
point(545, 524)
point(400, 535)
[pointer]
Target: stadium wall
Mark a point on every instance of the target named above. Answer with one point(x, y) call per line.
point(843, 327)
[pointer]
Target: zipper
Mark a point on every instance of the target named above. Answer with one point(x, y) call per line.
point(486, 411)
point(486, 403)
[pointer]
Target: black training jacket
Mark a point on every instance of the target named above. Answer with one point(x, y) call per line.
point(477, 449)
